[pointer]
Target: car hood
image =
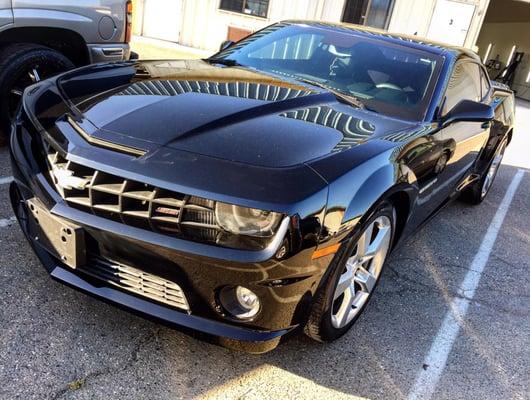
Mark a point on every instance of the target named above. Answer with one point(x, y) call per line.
point(230, 113)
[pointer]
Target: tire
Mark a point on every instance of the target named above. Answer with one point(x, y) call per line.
point(22, 64)
point(477, 192)
point(327, 321)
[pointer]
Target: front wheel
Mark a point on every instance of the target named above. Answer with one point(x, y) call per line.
point(355, 273)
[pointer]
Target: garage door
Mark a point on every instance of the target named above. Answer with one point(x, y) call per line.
point(451, 21)
point(162, 19)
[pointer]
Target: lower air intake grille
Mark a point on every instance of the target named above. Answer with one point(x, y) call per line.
point(133, 203)
point(136, 281)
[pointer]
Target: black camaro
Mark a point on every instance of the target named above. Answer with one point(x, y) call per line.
point(260, 191)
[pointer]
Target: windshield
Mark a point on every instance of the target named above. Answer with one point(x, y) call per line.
point(387, 78)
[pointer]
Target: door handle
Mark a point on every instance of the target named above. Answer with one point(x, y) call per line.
point(486, 125)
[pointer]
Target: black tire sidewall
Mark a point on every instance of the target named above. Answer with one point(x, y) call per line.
point(473, 195)
point(501, 149)
point(327, 331)
point(17, 59)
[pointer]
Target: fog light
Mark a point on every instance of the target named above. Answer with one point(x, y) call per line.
point(240, 302)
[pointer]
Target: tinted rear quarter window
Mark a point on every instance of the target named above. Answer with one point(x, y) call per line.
point(485, 83)
point(465, 84)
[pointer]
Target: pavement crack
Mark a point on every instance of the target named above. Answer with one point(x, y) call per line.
point(419, 286)
point(506, 262)
point(81, 382)
point(403, 277)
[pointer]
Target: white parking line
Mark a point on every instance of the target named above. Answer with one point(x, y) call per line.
point(4, 223)
point(6, 180)
point(436, 360)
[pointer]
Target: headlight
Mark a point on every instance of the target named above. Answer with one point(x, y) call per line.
point(246, 221)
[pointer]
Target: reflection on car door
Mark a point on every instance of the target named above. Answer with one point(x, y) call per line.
point(469, 138)
point(451, 150)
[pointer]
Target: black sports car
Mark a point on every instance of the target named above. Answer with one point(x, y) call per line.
point(257, 192)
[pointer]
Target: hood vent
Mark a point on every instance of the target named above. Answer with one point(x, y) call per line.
point(104, 143)
point(245, 90)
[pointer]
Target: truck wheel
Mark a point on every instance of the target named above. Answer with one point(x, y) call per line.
point(21, 65)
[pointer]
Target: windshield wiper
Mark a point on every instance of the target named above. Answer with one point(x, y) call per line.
point(223, 61)
point(348, 98)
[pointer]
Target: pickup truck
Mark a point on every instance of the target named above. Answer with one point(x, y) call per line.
point(40, 38)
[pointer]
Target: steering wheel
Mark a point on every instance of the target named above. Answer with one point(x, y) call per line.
point(387, 85)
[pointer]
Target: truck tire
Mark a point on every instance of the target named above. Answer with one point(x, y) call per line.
point(22, 64)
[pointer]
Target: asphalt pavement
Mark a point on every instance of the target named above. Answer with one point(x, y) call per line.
point(56, 343)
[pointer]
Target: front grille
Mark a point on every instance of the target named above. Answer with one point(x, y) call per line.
point(133, 280)
point(133, 203)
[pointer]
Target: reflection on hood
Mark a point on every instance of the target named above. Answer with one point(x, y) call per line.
point(246, 90)
point(353, 130)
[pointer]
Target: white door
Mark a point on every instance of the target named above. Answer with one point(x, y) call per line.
point(161, 19)
point(450, 22)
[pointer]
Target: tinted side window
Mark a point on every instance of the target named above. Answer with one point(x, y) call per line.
point(464, 85)
point(509, 109)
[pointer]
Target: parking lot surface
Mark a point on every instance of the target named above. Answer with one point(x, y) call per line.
point(58, 343)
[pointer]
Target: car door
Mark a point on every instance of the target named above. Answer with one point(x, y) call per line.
point(467, 138)
point(6, 13)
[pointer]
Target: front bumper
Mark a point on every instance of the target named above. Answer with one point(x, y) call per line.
point(285, 287)
point(250, 340)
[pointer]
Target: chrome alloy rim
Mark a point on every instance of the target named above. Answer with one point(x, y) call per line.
point(361, 272)
point(492, 171)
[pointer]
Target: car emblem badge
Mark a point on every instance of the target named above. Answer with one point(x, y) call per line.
point(67, 180)
point(168, 211)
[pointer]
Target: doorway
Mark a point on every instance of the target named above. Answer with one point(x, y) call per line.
point(374, 13)
point(451, 21)
point(162, 19)
point(504, 42)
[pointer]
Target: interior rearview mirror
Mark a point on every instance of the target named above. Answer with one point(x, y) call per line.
point(226, 44)
point(469, 111)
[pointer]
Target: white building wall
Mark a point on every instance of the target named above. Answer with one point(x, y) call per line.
point(413, 17)
point(332, 10)
point(205, 26)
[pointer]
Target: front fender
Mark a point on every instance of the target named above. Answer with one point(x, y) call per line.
point(353, 196)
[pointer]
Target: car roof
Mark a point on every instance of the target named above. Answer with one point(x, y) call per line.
point(417, 42)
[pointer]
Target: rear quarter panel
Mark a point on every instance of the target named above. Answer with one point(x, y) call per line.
point(503, 102)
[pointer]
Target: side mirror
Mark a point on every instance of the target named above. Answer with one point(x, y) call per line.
point(226, 44)
point(469, 111)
